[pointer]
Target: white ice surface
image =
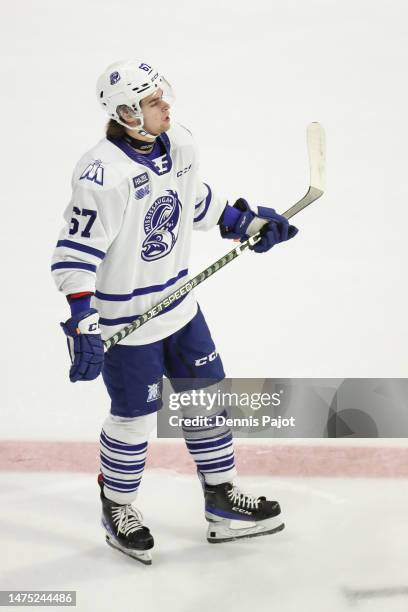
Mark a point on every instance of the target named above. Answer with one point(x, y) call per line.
point(340, 535)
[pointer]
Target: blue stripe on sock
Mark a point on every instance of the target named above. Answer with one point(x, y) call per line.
point(123, 452)
point(209, 451)
point(133, 457)
point(121, 480)
point(132, 463)
point(110, 439)
point(215, 460)
point(113, 444)
point(120, 466)
point(210, 445)
point(217, 464)
point(120, 473)
point(122, 487)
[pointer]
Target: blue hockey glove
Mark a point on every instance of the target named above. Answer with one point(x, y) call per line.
point(241, 222)
point(85, 345)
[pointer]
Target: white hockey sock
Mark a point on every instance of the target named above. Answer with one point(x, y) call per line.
point(212, 449)
point(123, 447)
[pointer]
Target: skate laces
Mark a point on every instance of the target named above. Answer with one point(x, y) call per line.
point(127, 519)
point(244, 500)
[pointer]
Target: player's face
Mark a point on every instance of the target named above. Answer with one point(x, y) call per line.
point(156, 113)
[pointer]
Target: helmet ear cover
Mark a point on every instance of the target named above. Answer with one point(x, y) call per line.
point(125, 112)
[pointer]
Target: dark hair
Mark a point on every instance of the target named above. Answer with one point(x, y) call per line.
point(115, 130)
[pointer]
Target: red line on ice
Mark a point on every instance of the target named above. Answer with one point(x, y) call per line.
point(262, 459)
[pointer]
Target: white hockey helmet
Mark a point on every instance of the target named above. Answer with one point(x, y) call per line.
point(125, 84)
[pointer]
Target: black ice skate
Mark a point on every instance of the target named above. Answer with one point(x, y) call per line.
point(124, 529)
point(225, 504)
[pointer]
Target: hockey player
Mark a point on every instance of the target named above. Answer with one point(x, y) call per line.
point(136, 198)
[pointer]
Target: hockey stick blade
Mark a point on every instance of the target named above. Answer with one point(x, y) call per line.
point(316, 147)
point(317, 158)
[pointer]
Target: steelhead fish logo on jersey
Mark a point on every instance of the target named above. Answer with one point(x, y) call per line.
point(161, 224)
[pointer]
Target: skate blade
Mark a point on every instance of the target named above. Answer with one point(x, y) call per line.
point(220, 531)
point(144, 556)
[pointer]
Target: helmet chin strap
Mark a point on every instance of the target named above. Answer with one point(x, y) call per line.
point(139, 129)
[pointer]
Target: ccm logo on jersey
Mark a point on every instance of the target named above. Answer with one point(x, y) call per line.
point(203, 360)
point(184, 171)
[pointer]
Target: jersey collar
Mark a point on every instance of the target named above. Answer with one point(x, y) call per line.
point(145, 160)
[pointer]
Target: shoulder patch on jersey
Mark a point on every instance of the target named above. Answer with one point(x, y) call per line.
point(94, 172)
point(141, 184)
point(140, 179)
point(142, 192)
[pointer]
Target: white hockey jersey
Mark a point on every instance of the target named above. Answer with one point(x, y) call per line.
point(128, 232)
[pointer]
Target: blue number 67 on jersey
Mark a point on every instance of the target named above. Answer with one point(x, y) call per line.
point(86, 212)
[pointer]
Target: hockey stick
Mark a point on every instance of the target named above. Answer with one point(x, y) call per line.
point(317, 158)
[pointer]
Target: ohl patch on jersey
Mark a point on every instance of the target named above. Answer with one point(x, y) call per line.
point(142, 192)
point(161, 224)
